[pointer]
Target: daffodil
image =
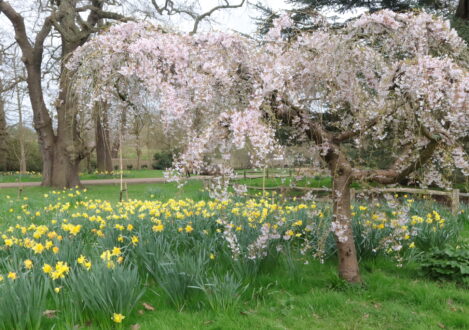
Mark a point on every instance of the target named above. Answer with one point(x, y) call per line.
point(117, 318)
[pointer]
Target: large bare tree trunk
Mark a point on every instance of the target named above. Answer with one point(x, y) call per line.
point(346, 251)
point(103, 147)
point(67, 149)
point(462, 11)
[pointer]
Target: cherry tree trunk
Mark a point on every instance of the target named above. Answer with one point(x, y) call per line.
point(346, 251)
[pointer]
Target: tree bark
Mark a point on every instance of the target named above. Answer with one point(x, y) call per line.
point(22, 158)
point(116, 145)
point(346, 251)
point(67, 149)
point(3, 135)
point(103, 147)
point(3, 127)
point(462, 11)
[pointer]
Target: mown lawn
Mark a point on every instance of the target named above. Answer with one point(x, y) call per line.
point(36, 177)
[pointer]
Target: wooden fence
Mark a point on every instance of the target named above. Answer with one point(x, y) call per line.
point(454, 195)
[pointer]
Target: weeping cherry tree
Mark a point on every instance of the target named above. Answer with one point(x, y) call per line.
point(386, 79)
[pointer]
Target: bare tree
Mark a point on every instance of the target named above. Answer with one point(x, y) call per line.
point(62, 149)
point(6, 85)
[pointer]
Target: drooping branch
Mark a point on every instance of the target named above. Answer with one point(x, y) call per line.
point(395, 174)
point(332, 155)
point(344, 136)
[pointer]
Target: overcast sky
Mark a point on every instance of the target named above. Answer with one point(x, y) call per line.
point(241, 19)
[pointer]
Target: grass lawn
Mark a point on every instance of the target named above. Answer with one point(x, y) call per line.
point(36, 177)
point(306, 296)
point(162, 191)
point(390, 299)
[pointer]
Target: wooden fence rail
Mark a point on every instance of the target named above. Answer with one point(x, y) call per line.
point(454, 195)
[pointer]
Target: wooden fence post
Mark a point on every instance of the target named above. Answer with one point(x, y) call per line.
point(455, 201)
point(244, 175)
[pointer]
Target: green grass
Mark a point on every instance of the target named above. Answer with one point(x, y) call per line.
point(162, 191)
point(4, 178)
point(133, 174)
point(391, 297)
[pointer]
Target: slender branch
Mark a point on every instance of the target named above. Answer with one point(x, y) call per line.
point(18, 24)
point(12, 84)
point(394, 174)
point(169, 9)
point(100, 14)
point(201, 17)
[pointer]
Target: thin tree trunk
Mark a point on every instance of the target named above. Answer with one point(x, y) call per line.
point(462, 11)
point(19, 103)
point(41, 119)
point(346, 251)
point(3, 127)
point(139, 151)
point(21, 134)
point(3, 134)
point(116, 145)
point(103, 147)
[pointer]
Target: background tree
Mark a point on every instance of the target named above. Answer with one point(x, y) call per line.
point(3, 124)
point(62, 149)
point(304, 12)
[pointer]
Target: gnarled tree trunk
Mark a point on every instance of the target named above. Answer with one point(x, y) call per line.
point(67, 147)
